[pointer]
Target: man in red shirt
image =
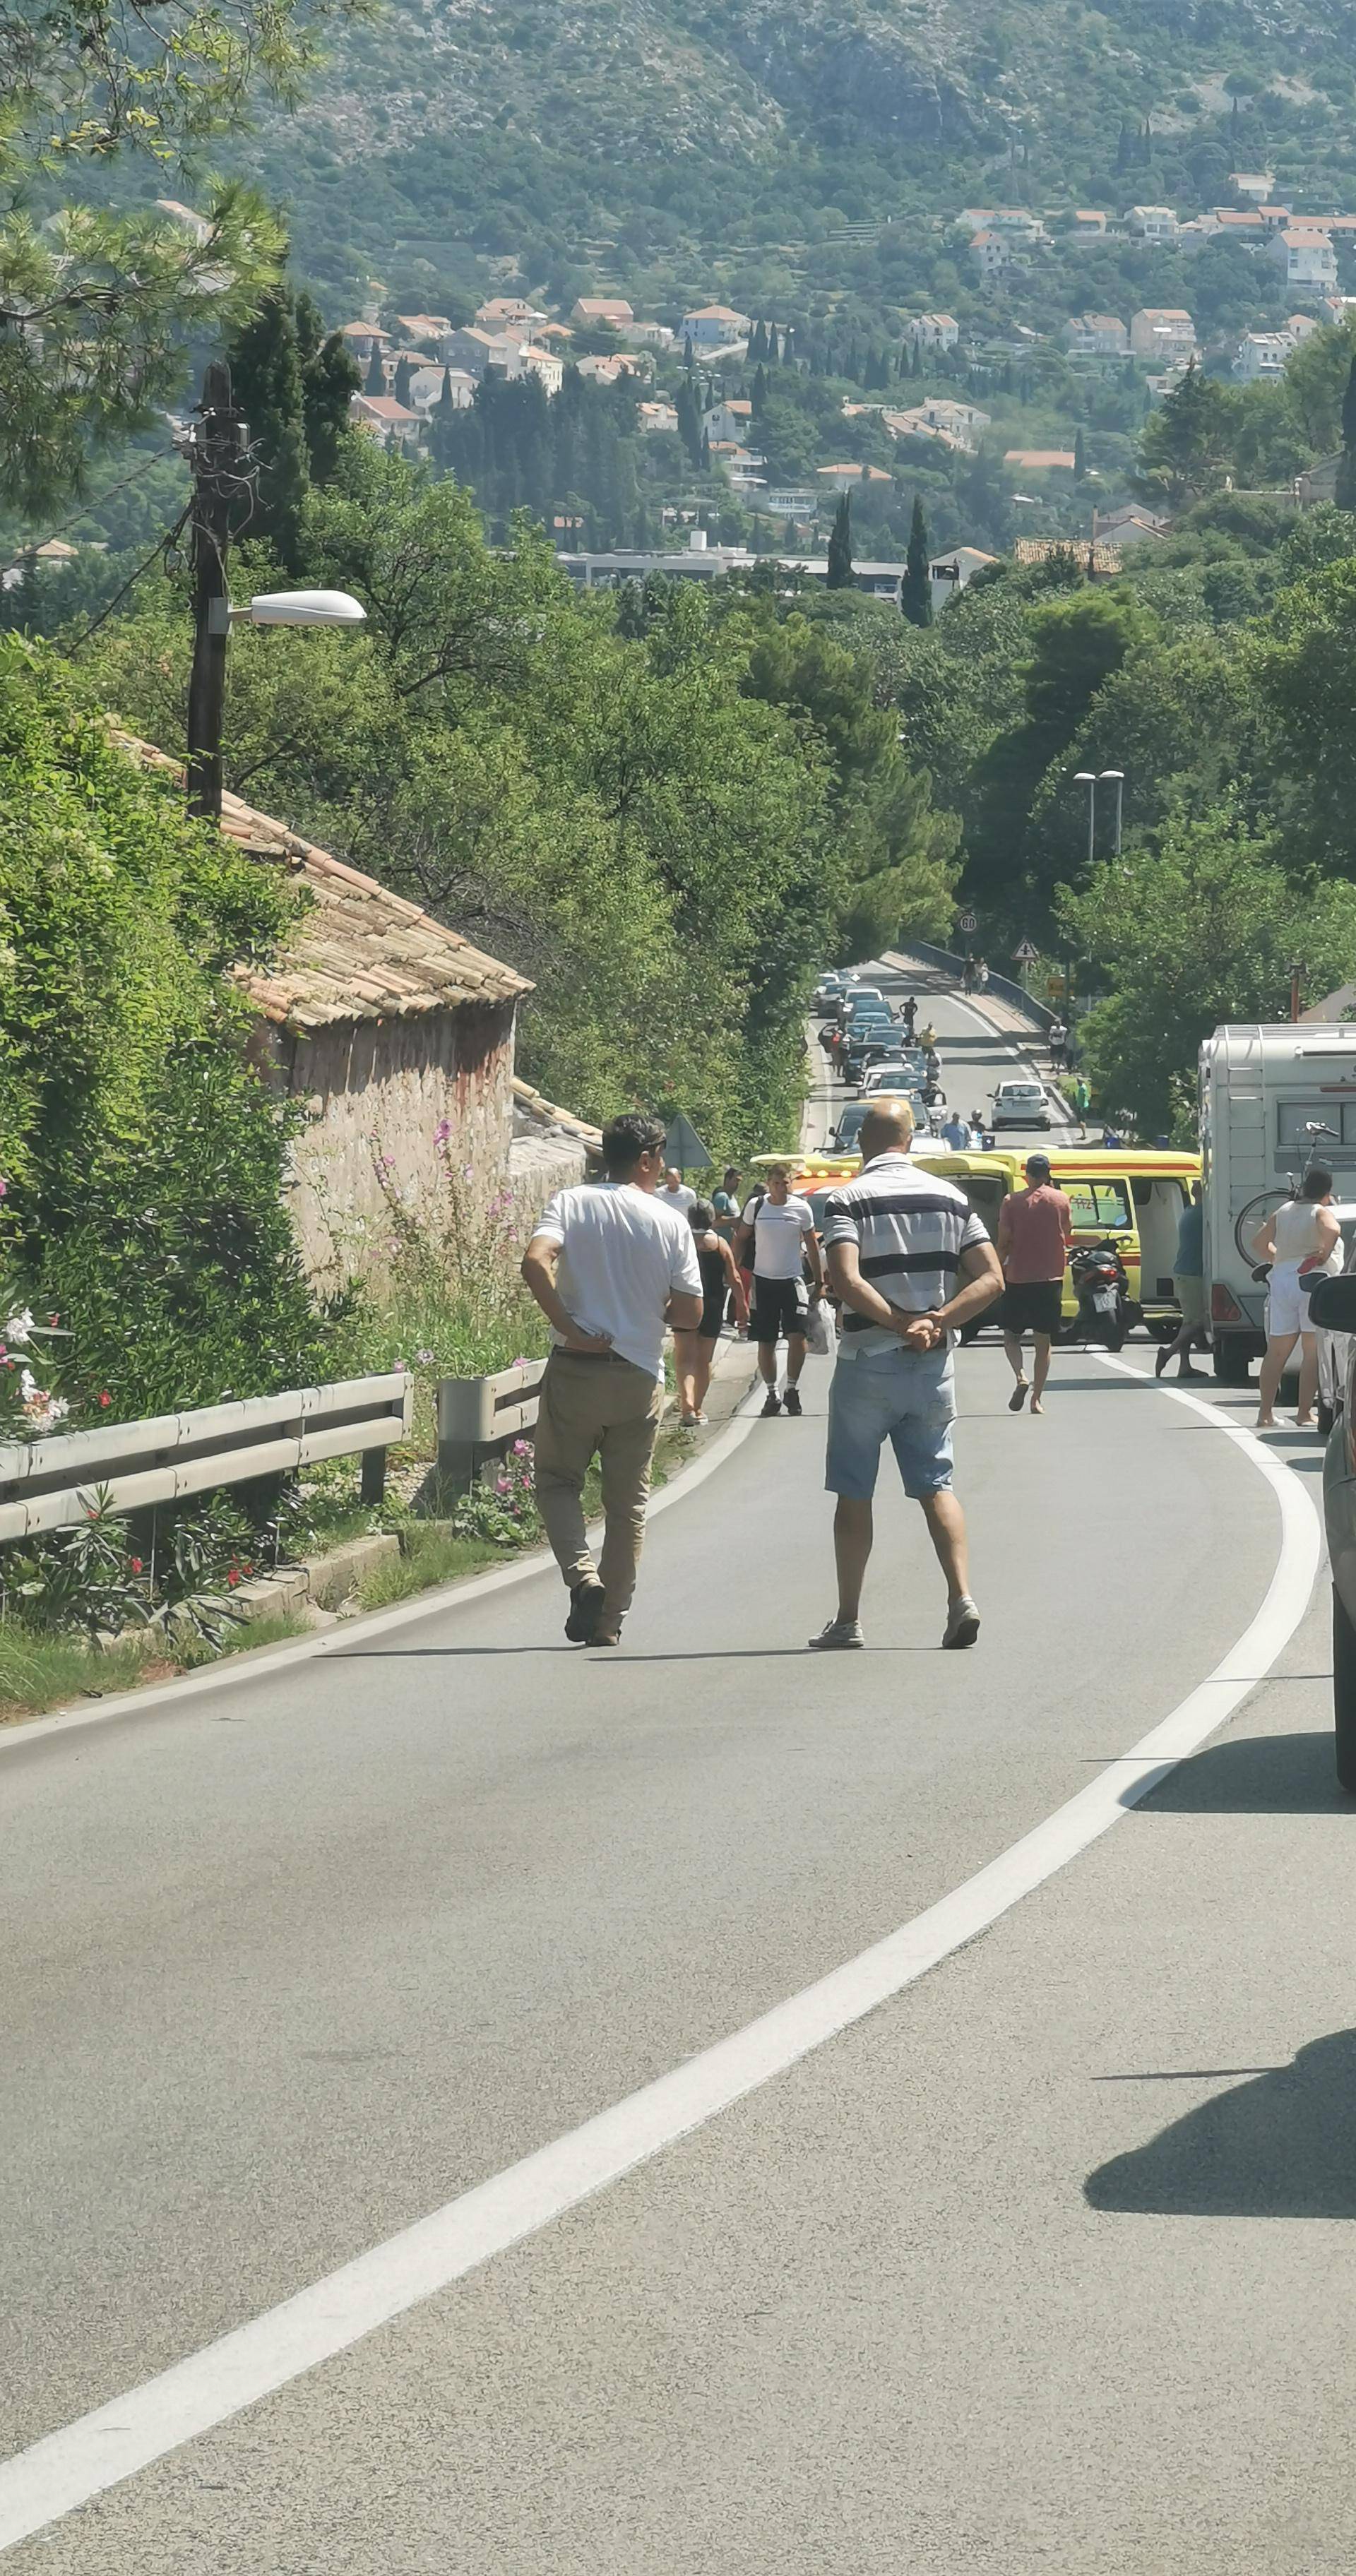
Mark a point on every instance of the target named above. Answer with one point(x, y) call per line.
point(1034, 1231)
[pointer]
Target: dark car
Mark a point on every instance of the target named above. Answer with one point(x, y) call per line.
point(1332, 1309)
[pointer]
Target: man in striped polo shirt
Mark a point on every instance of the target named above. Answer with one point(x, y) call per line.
point(909, 1262)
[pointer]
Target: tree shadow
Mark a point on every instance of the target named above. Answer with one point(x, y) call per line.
point(1281, 2147)
point(1254, 1775)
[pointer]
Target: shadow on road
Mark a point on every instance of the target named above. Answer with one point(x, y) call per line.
point(1255, 1775)
point(1282, 2147)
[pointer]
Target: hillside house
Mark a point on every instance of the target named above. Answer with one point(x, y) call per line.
point(478, 351)
point(1274, 219)
point(1253, 185)
point(1096, 335)
point(612, 370)
point(648, 335)
point(1261, 354)
point(964, 422)
point(990, 253)
point(744, 466)
point(601, 313)
point(1318, 482)
point(1306, 256)
point(714, 326)
point(361, 338)
point(728, 419)
point(1151, 223)
point(844, 477)
point(1235, 224)
point(1164, 333)
point(915, 424)
point(546, 366)
point(1300, 325)
point(508, 313)
point(454, 385)
point(1089, 223)
point(1130, 524)
point(429, 329)
point(382, 417)
point(933, 331)
point(652, 416)
point(949, 574)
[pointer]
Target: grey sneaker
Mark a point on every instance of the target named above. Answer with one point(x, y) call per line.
point(962, 1623)
point(840, 1632)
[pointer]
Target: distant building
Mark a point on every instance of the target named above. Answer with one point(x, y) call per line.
point(430, 327)
point(1096, 335)
point(508, 312)
point(1099, 561)
point(728, 419)
point(361, 338)
point(652, 416)
point(713, 326)
point(384, 418)
point(1090, 221)
point(1163, 332)
point(546, 365)
point(647, 335)
point(990, 253)
point(1306, 256)
point(610, 370)
point(1151, 223)
point(949, 574)
point(933, 330)
point(1129, 525)
point(844, 476)
point(1260, 354)
point(479, 351)
point(1299, 325)
point(701, 561)
point(1255, 185)
point(1274, 219)
point(1318, 482)
point(606, 312)
point(723, 353)
point(1232, 220)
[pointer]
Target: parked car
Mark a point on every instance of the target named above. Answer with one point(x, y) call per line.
point(1020, 1104)
point(847, 1133)
point(1333, 1309)
point(889, 1073)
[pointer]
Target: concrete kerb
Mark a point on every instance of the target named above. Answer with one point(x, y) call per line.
point(734, 1372)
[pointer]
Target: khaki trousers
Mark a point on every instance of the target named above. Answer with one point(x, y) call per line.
point(611, 1408)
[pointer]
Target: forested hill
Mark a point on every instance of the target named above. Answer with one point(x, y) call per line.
point(651, 136)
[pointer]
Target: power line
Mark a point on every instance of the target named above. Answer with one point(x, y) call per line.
point(74, 521)
point(161, 547)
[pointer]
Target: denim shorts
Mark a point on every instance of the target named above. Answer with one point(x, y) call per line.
point(905, 1397)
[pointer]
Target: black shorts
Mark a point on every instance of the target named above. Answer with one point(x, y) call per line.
point(1032, 1306)
point(713, 1316)
point(779, 1306)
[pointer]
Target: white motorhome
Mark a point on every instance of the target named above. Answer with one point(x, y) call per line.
point(1273, 1099)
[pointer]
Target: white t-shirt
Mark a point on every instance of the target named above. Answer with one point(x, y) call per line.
point(779, 1236)
point(623, 1251)
point(682, 1198)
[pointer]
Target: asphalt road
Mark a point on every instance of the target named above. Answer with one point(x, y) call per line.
point(287, 1967)
point(975, 1058)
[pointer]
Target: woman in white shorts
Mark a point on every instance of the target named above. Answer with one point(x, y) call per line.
point(1302, 1237)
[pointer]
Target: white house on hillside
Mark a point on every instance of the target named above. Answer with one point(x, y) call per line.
point(949, 574)
point(728, 419)
point(1307, 257)
point(1262, 353)
point(611, 311)
point(1255, 185)
point(1151, 223)
point(933, 330)
point(1096, 335)
point(713, 326)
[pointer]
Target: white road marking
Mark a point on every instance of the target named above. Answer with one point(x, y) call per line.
point(342, 1640)
point(70, 2467)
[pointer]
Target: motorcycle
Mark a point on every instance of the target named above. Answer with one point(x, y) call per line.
point(1099, 1277)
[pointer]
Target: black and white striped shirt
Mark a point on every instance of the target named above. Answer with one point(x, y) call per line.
point(910, 1227)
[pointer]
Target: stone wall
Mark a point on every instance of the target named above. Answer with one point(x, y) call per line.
point(380, 1088)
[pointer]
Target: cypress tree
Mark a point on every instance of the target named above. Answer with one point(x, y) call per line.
point(706, 452)
point(757, 344)
point(1080, 459)
point(915, 590)
point(265, 364)
point(404, 378)
point(376, 373)
point(759, 397)
point(772, 352)
point(330, 376)
point(839, 574)
point(1345, 489)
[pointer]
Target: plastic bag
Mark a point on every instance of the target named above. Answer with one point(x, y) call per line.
point(818, 1329)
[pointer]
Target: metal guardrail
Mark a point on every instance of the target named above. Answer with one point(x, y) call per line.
point(476, 1414)
point(1037, 1012)
point(50, 1484)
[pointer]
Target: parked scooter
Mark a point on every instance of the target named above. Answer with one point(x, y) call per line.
point(1099, 1276)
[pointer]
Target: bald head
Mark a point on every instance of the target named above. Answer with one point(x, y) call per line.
point(887, 1131)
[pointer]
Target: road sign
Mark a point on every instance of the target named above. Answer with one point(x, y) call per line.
point(1026, 955)
point(683, 1146)
point(969, 922)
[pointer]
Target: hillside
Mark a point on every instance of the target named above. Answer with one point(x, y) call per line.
point(643, 139)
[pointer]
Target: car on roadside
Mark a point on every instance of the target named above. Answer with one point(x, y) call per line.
point(1020, 1103)
point(828, 993)
point(1332, 1308)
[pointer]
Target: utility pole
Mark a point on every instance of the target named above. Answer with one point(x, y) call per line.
point(216, 459)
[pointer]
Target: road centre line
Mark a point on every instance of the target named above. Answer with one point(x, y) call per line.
point(69, 2468)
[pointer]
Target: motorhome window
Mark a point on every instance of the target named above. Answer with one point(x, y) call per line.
point(1295, 1117)
point(1097, 1203)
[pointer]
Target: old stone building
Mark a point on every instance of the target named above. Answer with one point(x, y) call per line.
point(395, 1034)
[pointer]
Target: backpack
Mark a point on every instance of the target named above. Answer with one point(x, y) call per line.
point(754, 1200)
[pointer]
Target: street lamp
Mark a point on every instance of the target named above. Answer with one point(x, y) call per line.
point(1115, 778)
point(219, 459)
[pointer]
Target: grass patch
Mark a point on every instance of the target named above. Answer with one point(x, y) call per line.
point(266, 1628)
point(38, 1673)
point(433, 1556)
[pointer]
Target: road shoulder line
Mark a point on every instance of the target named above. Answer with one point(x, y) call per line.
point(82, 2460)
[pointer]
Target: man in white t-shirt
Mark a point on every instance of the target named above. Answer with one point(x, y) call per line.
point(609, 1264)
point(675, 1192)
point(781, 1230)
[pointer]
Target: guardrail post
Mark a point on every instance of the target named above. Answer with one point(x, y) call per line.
point(373, 1482)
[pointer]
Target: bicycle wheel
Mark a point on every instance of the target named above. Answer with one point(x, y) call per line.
point(1249, 1221)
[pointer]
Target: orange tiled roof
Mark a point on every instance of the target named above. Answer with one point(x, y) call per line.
point(357, 951)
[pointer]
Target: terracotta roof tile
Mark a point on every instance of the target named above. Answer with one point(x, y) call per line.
point(358, 951)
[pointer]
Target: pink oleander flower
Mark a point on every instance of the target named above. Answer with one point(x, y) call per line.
point(442, 1131)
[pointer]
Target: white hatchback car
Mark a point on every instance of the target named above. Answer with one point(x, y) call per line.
point(1020, 1104)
